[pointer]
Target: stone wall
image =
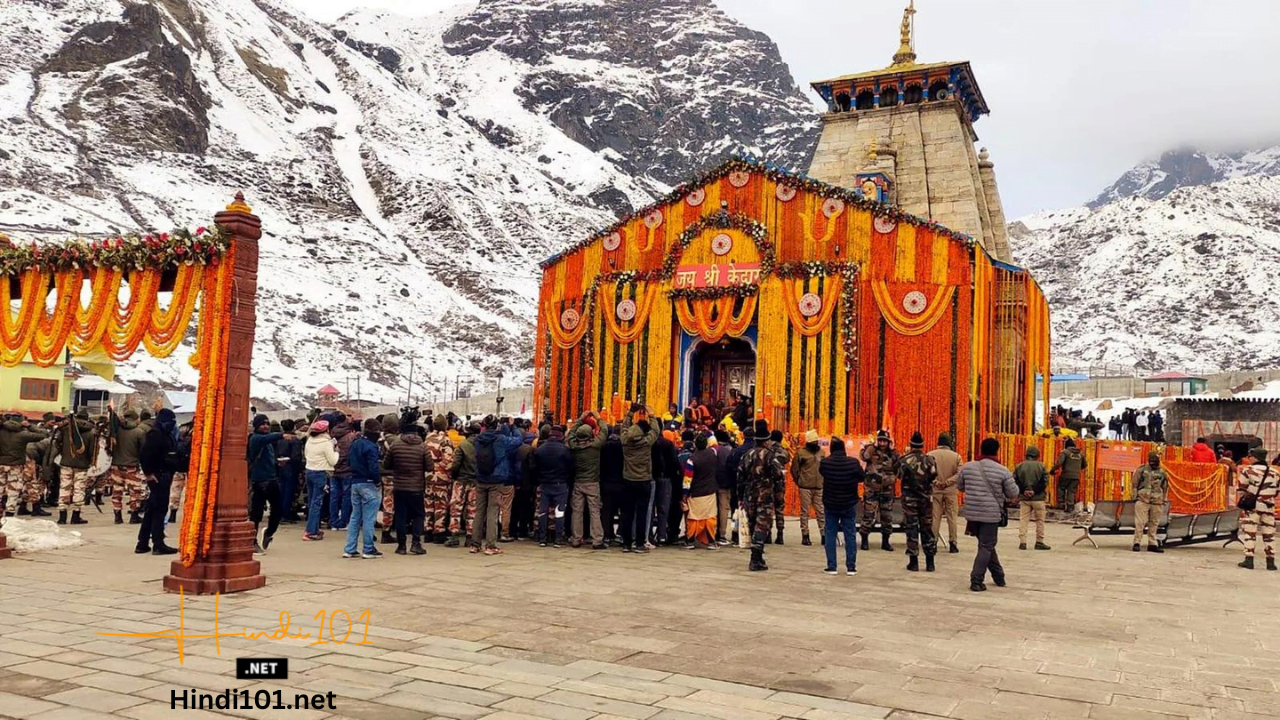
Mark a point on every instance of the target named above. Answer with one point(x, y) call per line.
point(927, 150)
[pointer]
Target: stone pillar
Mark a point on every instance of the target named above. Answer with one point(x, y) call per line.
point(229, 565)
point(987, 171)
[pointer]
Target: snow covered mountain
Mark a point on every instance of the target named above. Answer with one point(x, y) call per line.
point(410, 172)
point(1166, 277)
point(1188, 168)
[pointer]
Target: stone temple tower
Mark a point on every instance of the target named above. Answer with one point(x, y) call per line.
point(904, 134)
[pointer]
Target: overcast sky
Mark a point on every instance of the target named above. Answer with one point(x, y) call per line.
point(1079, 90)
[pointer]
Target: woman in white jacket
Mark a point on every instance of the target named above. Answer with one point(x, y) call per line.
point(321, 453)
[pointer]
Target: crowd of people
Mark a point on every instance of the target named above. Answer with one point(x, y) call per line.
point(1129, 424)
point(133, 460)
point(693, 480)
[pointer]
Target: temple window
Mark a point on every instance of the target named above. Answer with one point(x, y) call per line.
point(866, 100)
point(888, 97)
point(938, 91)
point(842, 102)
point(913, 96)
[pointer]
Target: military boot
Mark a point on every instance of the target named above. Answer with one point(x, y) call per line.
point(62, 517)
point(1247, 563)
point(119, 517)
point(1271, 563)
point(803, 541)
point(884, 542)
point(454, 540)
point(865, 544)
point(76, 519)
point(416, 548)
point(778, 541)
point(22, 509)
point(135, 517)
point(928, 563)
point(954, 548)
point(37, 511)
point(913, 563)
point(757, 560)
point(173, 515)
point(400, 548)
point(387, 539)
point(768, 539)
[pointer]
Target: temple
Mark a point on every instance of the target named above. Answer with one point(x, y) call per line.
point(908, 130)
point(833, 302)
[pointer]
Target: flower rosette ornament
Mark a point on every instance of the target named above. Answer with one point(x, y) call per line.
point(653, 218)
point(569, 319)
point(721, 244)
point(612, 241)
point(885, 225)
point(832, 207)
point(626, 310)
point(739, 178)
point(785, 192)
point(696, 198)
point(810, 305)
point(915, 302)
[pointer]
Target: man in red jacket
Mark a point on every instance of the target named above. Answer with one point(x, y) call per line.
point(1201, 452)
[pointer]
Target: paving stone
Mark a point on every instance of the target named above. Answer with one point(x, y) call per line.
point(849, 709)
point(525, 708)
point(599, 704)
point(72, 713)
point(448, 677)
point(522, 690)
point(49, 670)
point(434, 705)
point(95, 699)
point(30, 685)
point(704, 709)
point(21, 706)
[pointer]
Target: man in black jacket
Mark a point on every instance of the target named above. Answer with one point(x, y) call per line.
point(552, 466)
point(841, 476)
point(158, 448)
point(666, 474)
point(611, 483)
point(726, 483)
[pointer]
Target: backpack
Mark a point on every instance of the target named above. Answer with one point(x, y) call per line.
point(486, 459)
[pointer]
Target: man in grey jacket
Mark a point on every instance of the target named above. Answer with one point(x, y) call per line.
point(987, 485)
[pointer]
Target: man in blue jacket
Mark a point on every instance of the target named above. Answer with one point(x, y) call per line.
point(495, 445)
point(366, 496)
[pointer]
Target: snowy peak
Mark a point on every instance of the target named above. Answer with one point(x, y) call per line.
point(662, 87)
point(1188, 168)
point(409, 173)
point(1182, 281)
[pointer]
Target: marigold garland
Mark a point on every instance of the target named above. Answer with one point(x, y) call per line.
point(793, 290)
point(635, 326)
point(912, 326)
point(202, 485)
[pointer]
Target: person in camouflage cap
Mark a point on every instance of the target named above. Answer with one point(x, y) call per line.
point(918, 472)
point(881, 463)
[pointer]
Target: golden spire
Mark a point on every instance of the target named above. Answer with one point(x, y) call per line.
point(906, 54)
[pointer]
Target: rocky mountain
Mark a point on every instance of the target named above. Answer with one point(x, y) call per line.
point(410, 172)
point(1166, 278)
point(1188, 167)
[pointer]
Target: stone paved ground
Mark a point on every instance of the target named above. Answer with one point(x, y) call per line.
point(572, 635)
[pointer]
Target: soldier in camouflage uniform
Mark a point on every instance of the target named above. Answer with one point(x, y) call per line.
point(436, 501)
point(1263, 482)
point(15, 482)
point(126, 468)
point(76, 441)
point(918, 472)
point(780, 490)
point(761, 473)
point(881, 463)
point(390, 438)
point(462, 495)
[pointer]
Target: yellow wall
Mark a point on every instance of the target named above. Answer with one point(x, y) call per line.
point(11, 385)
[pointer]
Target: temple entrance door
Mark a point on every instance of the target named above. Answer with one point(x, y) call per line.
point(722, 371)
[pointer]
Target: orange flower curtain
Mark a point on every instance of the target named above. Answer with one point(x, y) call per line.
point(118, 326)
point(905, 323)
point(210, 359)
point(714, 319)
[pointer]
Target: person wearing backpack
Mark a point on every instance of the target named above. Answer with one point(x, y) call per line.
point(494, 445)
